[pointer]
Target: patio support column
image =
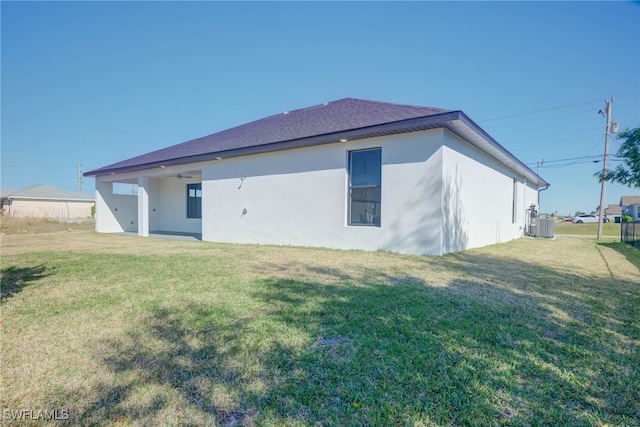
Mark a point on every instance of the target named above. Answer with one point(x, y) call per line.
point(143, 206)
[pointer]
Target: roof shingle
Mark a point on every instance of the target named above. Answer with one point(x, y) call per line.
point(629, 200)
point(328, 118)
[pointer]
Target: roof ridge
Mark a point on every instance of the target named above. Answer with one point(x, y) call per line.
point(55, 192)
point(340, 115)
point(395, 104)
point(32, 186)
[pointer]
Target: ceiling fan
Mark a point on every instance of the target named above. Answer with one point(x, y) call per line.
point(180, 176)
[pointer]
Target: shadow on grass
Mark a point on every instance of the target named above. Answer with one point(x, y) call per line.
point(504, 342)
point(631, 253)
point(15, 279)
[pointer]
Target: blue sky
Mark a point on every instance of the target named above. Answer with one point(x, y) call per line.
point(96, 83)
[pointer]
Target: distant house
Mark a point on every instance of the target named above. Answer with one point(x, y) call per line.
point(347, 174)
point(630, 205)
point(613, 212)
point(46, 201)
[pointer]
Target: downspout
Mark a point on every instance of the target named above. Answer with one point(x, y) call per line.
point(539, 190)
point(524, 201)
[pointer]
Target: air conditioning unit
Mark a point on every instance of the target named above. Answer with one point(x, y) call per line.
point(545, 227)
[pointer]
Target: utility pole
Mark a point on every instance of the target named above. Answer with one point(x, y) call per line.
point(79, 177)
point(603, 183)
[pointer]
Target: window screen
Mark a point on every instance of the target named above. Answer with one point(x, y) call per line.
point(194, 200)
point(365, 183)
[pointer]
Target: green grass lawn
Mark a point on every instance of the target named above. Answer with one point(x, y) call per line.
point(609, 229)
point(131, 331)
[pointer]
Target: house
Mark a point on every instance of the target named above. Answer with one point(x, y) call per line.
point(347, 174)
point(613, 212)
point(46, 201)
point(630, 205)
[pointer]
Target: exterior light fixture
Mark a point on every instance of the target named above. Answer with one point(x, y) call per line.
point(343, 139)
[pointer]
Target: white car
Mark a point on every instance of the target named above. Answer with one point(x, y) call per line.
point(585, 218)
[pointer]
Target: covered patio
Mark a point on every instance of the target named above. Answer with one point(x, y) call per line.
point(165, 203)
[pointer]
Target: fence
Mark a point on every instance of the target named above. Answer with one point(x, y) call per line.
point(630, 233)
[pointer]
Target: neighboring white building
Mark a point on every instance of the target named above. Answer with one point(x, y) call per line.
point(46, 201)
point(348, 174)
point(613, 212)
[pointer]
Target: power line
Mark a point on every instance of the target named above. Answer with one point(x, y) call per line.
point(573, 132)
point(539, 119)
point(558, 108)
point(538, 111)
point(563, 160)
point(595, 146)
point(573, 160)
point(586, 161)
point(556, 142)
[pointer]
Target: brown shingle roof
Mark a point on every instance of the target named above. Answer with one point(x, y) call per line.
point(629, 200)
point(331, 122)
point(613, 210)
point(321, 120)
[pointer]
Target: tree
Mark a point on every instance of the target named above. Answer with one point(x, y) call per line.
point(629, 172)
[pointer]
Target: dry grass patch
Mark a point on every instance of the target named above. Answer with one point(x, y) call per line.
point(13, 225)
point(139, 331)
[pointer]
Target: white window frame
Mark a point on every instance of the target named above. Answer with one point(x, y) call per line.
point(373, 218)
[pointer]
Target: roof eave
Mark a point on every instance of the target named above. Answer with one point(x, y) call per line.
point(468, 130)
point(64, 199)
point(403, 126)
point(455, 121)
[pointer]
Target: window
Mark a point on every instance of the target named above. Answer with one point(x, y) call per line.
point(194, 200)
point(365, 172)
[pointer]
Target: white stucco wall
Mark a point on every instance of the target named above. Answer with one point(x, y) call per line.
point(54, 208)
point(478, 198)
point(299, 197)
point(439, 195)
point(115, 213)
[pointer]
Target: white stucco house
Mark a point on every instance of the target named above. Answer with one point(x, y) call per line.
point(46, 201)
point(613, 212)
point(347, 174)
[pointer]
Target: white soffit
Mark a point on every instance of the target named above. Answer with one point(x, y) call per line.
point(474, 135)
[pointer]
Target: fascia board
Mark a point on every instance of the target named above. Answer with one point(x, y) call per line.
point(404, 126)
point(468, 130)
